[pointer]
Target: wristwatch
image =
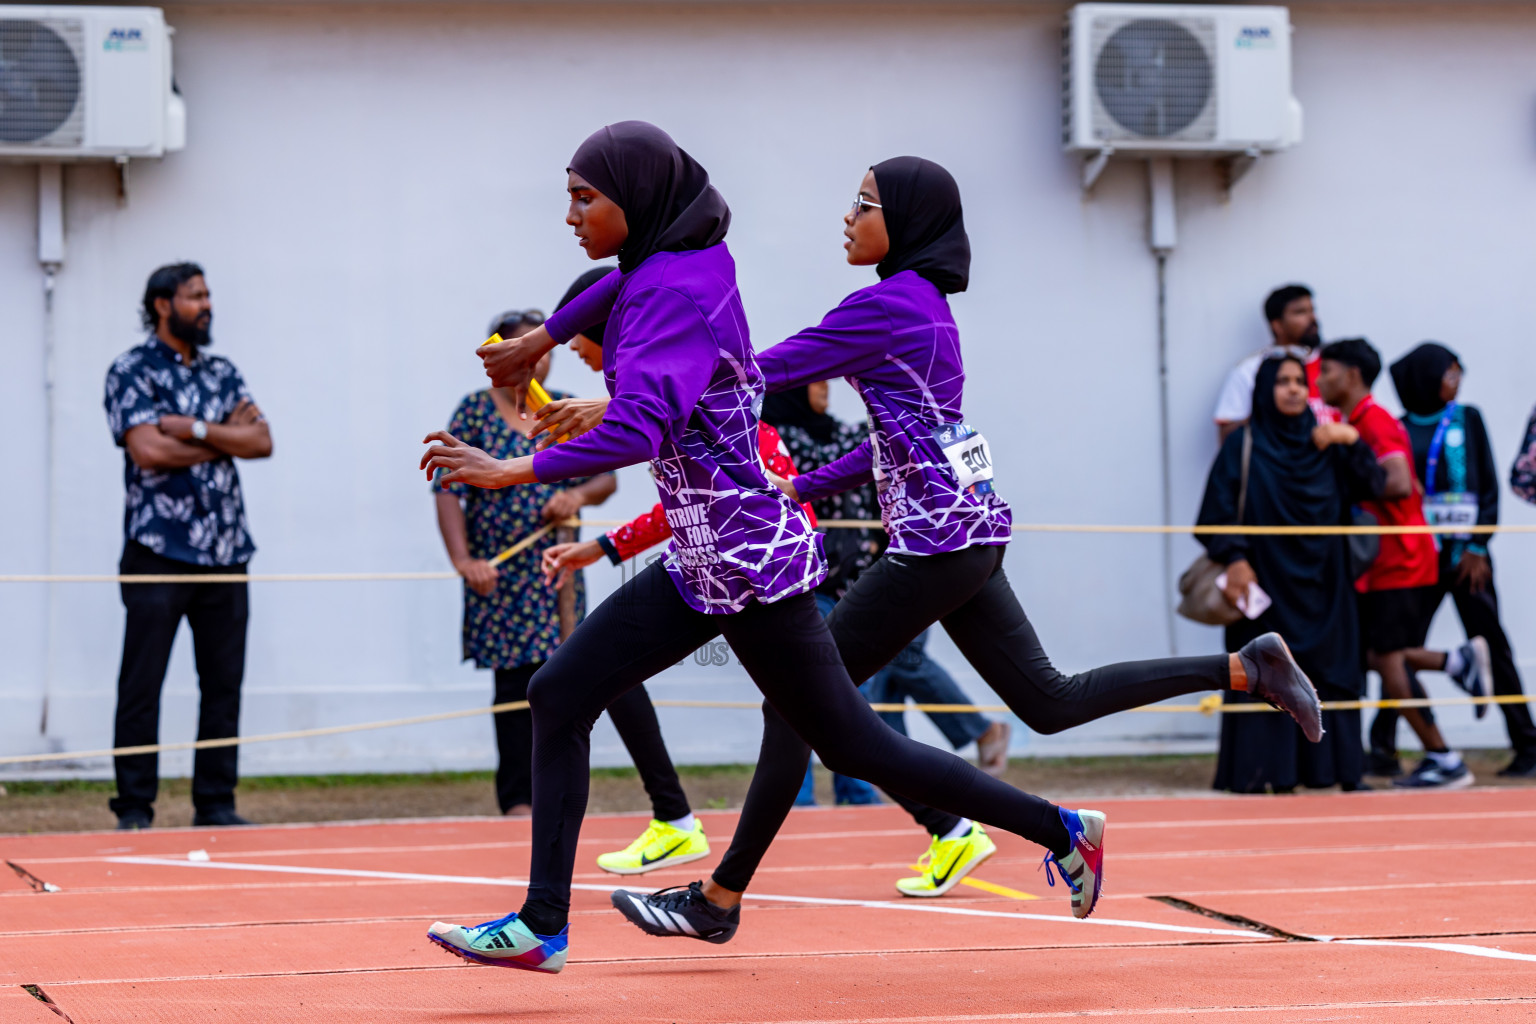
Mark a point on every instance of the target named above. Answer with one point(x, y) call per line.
point(199, 430)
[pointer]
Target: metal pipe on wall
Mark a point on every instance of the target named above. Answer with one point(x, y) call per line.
point(1162, 235)
point(50, 256)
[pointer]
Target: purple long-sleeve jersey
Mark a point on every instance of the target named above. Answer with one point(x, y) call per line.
point(897, 344)
point(685, 386)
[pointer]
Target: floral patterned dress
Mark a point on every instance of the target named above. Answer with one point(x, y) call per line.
point(519, 622)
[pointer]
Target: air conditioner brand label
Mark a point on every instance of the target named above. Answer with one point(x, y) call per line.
point(123, 40)
point(1256, 37)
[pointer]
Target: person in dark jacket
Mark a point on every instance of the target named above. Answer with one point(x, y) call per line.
point(1300, 474)
point(1454, 458)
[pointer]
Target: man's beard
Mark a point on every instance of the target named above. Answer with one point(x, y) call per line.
point(189, 332)
point(1313, 338)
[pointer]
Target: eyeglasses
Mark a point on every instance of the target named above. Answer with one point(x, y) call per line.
point(860, 204)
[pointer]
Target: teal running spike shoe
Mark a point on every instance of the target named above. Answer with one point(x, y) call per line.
point(505, 942)
point(1083, 868)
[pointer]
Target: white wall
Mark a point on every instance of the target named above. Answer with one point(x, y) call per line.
point(366, 186)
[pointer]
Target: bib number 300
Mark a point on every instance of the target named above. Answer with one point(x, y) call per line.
point(968, 455)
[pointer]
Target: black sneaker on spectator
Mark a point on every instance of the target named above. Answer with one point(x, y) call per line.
point(1382, 764)
point(1429, 774)
point(1522, 767)
point(1476, 675)
point(222, 816)
point(132, 821)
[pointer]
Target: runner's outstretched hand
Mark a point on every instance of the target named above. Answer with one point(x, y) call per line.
point(562, 560)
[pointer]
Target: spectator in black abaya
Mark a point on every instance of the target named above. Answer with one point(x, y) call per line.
point(1300, 474)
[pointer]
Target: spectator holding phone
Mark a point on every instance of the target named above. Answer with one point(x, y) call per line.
point(1299, 473)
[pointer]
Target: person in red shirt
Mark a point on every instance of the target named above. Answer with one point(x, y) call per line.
point(1397, 593)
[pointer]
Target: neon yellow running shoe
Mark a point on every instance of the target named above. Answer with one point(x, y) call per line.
point(659, 846)
point(947, 861)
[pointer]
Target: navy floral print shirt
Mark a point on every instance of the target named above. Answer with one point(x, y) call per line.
point(195, 514)
point(519, 623)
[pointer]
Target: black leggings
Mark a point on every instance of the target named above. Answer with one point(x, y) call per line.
point(633, 716)
point(967, 592)
point(645, 627)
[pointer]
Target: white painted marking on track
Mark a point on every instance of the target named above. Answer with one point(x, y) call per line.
point(1492, 952)
point(819, 901)
point(1173, 1011)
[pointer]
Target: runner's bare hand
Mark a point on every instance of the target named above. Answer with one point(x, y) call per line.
point(567, 417)
point(562, 560)
point(462, 463)
point(510, 364)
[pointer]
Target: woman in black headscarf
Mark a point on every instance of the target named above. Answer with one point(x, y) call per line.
point(1299, 474)
point(1463, 475)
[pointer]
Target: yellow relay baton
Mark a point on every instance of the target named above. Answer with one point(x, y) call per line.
point(538, 398)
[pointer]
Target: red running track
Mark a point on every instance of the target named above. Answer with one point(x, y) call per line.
point(1429, 901)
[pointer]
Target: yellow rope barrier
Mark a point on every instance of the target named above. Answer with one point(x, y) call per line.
point(1208, 705)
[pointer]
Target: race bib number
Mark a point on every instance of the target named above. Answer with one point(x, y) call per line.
point(1450, 510)
point(968, 456)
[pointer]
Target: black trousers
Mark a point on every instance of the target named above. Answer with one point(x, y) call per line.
point(217, 613)
point(633, 716)
point(968, 593)
point(785, 647)
point(1479, 615)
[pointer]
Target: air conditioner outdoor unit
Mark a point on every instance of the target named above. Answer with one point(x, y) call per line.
point(1172, 79)
point(85, 83)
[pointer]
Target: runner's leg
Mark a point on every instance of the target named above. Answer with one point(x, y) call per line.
point(641, 629)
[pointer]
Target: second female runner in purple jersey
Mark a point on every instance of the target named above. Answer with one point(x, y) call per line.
point(685, 387)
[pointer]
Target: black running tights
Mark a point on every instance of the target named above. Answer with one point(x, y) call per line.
point(642, 629)
point(967, 592)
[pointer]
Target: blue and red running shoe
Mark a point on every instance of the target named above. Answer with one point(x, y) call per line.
point(1083, 868)
point(505, 942)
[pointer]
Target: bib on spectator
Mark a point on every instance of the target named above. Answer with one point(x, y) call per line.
point(968, 456)
point(1450, 509)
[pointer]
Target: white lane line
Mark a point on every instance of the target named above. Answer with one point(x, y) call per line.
point(1492, 952)
point(909, 905)
point(1171, 1011)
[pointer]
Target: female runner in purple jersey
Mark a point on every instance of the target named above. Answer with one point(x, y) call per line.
point(897, 344)
point(743, 561)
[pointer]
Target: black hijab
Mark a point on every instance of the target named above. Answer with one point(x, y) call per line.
point(923, 218)
point(1290, 482)
point(665, 193)
point(580, 285)
point(1417, 377)
point(792, 408)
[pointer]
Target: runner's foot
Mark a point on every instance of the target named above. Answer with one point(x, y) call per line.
point(681, 911)
point(659, 846)
point(1429, 774)
point(992, 748)
point(947, 862)
point(1476, 675)
point(1083, 868)
point(505, 942)
point(1274, 677)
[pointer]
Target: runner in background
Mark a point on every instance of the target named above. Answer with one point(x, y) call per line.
point(1292, 317)
point(1398, 592)
point(1454, 458)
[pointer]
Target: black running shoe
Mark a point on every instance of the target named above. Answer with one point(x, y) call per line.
point(679, 911)
point(1522, 767)
point(1274, 677)
point(1383, 764)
